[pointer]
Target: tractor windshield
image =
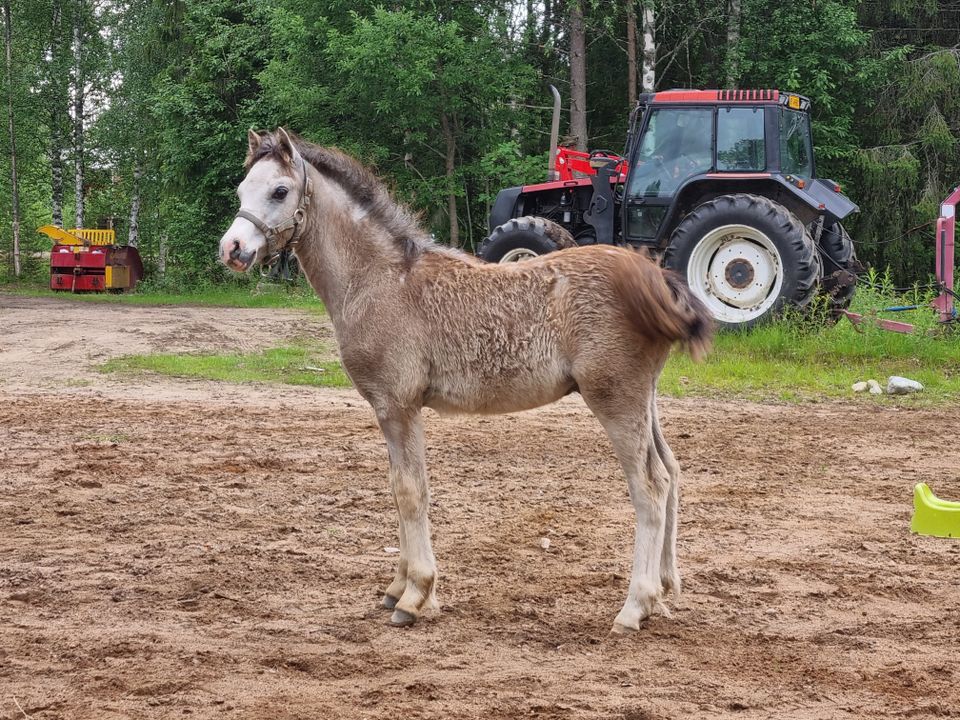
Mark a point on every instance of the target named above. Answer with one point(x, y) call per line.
point(796, 156)
point(676, 144)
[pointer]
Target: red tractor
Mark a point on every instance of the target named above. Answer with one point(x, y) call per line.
point(720, 184)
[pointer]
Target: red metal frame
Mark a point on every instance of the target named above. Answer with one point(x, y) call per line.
point(568, 161)
point(946, 239)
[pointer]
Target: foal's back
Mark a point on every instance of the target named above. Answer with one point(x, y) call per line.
point(500, 338)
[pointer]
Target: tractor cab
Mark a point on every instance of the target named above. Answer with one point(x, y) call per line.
point(720, 184)
point(685, 144)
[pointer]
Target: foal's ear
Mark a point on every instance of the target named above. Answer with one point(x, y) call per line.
point(254, 139)
point(288, 150)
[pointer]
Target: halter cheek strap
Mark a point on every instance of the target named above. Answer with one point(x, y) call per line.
point(276, 242)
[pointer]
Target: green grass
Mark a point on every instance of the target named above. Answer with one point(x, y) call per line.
point(293, 365)
point(798, 360)
point(221, 295)
point(794, 360)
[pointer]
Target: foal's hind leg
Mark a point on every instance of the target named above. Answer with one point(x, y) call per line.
point(625, 414)
point(669, 575)
point(413, 588)
point(393, 592)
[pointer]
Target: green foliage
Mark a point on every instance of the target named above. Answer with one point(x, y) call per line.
point(798, 360)
point(296, 365)
point(815, 49)
point(174, 85)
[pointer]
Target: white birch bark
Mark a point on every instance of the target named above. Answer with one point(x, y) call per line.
point(733, 44)
point(79, 91)
point(133, 232)
point(15, 188)
point(649, 74)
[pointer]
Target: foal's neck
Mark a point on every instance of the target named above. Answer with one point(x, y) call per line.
point(344, 252)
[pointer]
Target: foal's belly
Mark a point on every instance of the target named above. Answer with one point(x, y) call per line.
point(485, 394)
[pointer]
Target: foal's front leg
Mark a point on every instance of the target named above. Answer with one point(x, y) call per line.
point(412, 590)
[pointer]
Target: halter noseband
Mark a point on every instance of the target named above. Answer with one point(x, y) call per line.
point(276, 243)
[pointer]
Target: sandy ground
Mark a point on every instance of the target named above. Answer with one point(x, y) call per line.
point(185, 549)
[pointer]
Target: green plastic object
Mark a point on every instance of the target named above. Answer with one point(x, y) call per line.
point(933, 516)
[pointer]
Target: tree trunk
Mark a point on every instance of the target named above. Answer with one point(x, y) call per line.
point(57, 110)
point(631, 55)
point(15, 190)
point(79, 91)
point(578, 76)
point(733, 44)
point(133, 232)
point(451, 167)
point(649, 78)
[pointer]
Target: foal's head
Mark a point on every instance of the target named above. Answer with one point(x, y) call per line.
point(273, 197)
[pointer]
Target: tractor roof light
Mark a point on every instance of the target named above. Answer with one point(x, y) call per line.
point(793, 102)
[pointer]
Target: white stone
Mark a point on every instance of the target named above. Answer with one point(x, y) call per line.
point(545, 543)
point(875, 388)
point(391, 550)
point(859, 386)
point(897, 385)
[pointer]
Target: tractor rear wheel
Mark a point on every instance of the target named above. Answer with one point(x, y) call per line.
point(840, 267)
point(523, 238)
point(746, 257)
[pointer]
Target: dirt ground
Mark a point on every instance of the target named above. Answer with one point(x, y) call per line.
point(180, 549)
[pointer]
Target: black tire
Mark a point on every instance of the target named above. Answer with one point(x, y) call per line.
point(771, 243)
point(535, 235)
point(840, 267)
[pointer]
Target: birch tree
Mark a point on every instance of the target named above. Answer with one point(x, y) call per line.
point(649, 76)
point(15, 188)
point(733, 43)
point(57, 104)
point(79, 95)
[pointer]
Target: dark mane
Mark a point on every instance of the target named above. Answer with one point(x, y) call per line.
point(359, 182)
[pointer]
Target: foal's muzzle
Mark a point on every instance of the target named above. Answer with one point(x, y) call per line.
point(239, 260)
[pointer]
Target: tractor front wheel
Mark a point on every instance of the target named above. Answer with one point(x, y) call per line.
point(746, 257)
point(523, 238)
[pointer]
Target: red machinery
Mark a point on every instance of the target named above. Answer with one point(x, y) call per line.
point(85, 260)
point(946, 244)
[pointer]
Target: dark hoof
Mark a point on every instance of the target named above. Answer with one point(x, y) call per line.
point(389, 602)
point(401, 618)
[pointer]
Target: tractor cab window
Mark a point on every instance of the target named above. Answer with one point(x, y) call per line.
point(740, 145)
point(676, 144)
point(796, 157)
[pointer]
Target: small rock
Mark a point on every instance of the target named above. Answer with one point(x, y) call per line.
point(545, 543)
point(859, 386)
point(391, 550)
point(875, 388)
point(897, 385)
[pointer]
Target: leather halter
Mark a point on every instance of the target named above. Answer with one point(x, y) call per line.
point(276, 242)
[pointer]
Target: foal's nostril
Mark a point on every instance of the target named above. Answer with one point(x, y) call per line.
point(235, 253)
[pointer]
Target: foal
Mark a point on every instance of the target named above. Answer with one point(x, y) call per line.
point(420, 325)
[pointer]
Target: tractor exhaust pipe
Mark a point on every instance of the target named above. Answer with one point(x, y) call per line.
point(552, 173)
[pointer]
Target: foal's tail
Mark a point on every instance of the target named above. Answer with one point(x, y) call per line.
point(660, 305)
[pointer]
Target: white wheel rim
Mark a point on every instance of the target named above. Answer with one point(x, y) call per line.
point(737, 272)
point(517, 254)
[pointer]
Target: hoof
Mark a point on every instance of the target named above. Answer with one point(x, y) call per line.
point(389, 602)
point(619, 629)
point(401, 618)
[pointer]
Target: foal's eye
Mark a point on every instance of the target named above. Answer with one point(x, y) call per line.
point(280, 193)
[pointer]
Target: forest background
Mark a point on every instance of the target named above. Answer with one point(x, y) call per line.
point(134, 114)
